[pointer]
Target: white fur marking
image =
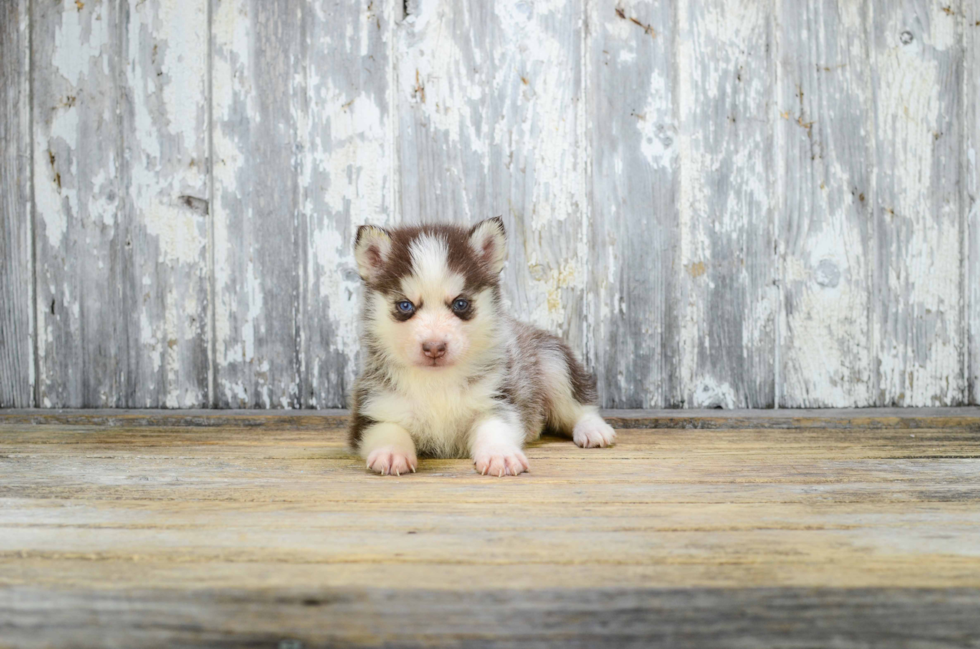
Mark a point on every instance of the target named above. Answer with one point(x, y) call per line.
point(496, 448)
point(429, 256)
point(436, 407)
point(431, 281)
point(565, 411)
point(389, 449)
point(591, 431)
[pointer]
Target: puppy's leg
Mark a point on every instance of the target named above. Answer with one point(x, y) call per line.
point(591, 431)
point(495, 445)
point(388, 449)
point(571, 399)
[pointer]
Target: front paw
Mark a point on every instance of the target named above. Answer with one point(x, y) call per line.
point(501, 462)
point(592, 432)
point(389, 460)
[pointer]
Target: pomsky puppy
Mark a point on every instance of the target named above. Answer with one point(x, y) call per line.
point(446, 372)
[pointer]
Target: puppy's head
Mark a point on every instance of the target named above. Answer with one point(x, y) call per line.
point(432, 291)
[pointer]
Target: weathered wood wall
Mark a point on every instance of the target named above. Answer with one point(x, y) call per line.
point(718, 202)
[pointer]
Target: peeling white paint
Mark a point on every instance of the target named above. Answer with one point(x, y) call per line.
point(826, 339)
point(491, 111)
point(183, 65)
point(711, 393)
point(111, 150)
point(942, 25)
point(724, 204)
point(538, 139)
point(55, 181)
point(654, 122)
point(179, 232)
point(434, 73)
point(546, 113)
point(253, 291)
point(231, 37)
point(339, 290)
point(225, 171)
point(79, 39)
point(917, 331)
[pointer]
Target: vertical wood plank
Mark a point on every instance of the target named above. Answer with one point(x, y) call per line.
point(536, 124)
point(725, 293)
point(634, 201)
point(16, 263)
point(346, 181)
point(826, 188)
point(917, 81)
point(970, 174)
point(259, 243)
point(302, 156)
point(165, 169)
point(81, 237)
point(443, 94)
point(119, 172)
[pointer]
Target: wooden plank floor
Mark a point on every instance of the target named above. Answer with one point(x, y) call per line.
point(845, 529)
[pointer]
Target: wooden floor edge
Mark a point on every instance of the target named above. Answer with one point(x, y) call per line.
point(878, 418)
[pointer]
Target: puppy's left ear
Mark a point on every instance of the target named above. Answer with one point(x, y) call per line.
point(488, 240)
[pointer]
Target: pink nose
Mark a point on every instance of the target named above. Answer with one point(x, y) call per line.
point(434, 349)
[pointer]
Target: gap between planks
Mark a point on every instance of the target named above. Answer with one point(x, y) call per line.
point(865, 418)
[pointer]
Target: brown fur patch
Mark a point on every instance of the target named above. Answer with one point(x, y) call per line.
point(583, 383)
point(461, 258)
point(358, 422)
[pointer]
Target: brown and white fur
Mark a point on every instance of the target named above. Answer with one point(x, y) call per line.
point(446, 372)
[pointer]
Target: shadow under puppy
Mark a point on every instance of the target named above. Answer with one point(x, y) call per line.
point(446, 372)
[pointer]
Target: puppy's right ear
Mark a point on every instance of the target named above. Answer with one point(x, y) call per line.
point(489, 243)
point(371, 249)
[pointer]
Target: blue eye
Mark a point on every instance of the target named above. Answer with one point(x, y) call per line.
point(460, 305)
point(405, 306)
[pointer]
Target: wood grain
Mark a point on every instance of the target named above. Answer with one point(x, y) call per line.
point(715, 203)
point(826, 167)
point(81, 317)
point(226, 535)
point(917, 224)
point(260, 242)
point(537, 145)
point(120, 179)
point(970, 186)
point(843, 419)
point(165, 122)
point(16, 210)
point(347, 157)
point(725, 276)
point(302, 148)
point(441, 99)
point(321, 617)
point(634, 202)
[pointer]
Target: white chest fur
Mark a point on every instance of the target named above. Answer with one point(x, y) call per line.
point(438, 409)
